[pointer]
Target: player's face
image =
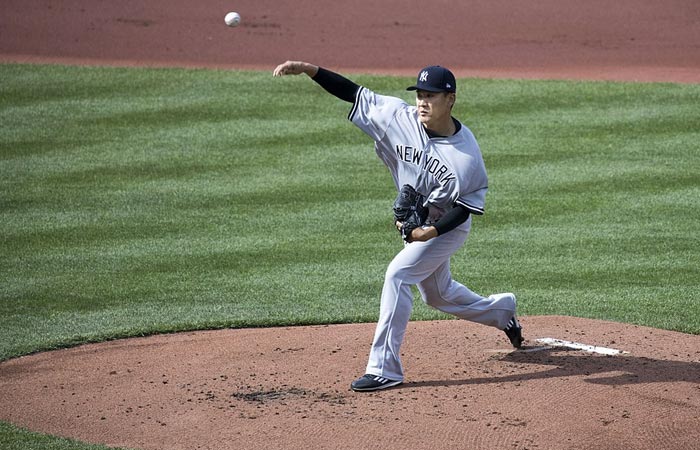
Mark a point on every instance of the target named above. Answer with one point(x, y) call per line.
point(434, 107)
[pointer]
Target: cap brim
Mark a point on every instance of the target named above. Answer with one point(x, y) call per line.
point(428, 89)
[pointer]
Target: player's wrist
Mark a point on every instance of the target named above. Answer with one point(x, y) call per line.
point(429, 232)
point(423, 234)
point(310, 69)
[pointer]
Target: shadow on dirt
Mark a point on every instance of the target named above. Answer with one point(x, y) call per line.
point(623, 370)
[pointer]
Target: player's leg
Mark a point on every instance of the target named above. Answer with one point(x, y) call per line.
point(394, 314)
point(411, 265)
point(442, 292)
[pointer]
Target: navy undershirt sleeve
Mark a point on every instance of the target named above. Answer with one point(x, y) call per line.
point(336, 84)
point(452, 219)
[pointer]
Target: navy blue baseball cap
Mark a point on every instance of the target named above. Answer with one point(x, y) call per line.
point(435, 79)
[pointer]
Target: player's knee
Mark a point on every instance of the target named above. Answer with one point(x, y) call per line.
point(394, 274)
point(398, 273)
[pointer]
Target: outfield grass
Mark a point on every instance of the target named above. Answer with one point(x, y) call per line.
point(140, 201)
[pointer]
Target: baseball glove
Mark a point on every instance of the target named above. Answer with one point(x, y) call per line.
point(409, 210)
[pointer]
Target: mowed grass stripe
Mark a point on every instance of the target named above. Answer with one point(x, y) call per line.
point(138, 201)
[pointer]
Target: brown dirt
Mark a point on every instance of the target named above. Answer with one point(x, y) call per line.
point(287, 388)
point(645, 40)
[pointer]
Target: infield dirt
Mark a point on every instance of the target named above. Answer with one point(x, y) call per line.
point(642, 40)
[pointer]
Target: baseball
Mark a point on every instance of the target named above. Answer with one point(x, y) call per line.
point(232, 19)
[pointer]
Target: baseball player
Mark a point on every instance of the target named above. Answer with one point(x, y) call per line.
point(425, 147)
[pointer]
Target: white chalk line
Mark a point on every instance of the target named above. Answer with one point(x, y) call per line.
point(551, 342)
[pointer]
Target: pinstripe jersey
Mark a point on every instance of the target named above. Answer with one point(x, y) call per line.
point(447, 170)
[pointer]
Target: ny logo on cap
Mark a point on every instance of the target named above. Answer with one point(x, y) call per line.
point(423, 76)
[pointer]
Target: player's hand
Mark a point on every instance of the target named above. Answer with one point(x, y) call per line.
point(420, 234)
point(295, 68)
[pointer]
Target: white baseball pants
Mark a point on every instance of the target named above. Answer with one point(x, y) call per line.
point(427, 265)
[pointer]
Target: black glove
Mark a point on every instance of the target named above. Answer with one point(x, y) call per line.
point(409, 210)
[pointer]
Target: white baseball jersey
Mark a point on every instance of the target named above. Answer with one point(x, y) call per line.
point(447, 170)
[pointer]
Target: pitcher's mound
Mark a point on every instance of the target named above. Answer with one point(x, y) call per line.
point(288, 388)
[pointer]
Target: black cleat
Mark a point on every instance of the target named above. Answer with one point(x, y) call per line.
point(514, 332)
point(369, 382)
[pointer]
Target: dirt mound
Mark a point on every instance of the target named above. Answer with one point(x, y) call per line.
point(288, 388)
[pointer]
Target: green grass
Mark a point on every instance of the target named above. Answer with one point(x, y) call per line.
point(14, 438)
point(140, 201)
